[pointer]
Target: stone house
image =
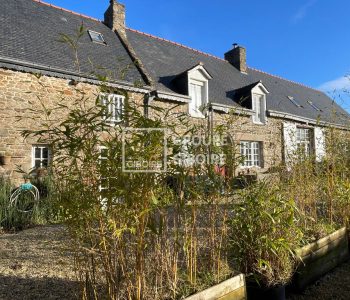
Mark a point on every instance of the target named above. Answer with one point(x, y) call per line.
point(274, 115)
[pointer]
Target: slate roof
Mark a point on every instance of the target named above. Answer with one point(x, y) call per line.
point(29, 31)
point(164, 60)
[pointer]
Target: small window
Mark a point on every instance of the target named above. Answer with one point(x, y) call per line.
point(114, 107)
point(258, 107)
point(40, 156)
point(304, 141)
point(96, 37)
point(314, 106)
point(295, 102)
point(251, 153)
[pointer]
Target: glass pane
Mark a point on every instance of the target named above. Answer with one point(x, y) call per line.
point(45, 153)
point(44, 163)
point(37, 152)
point(37, 164)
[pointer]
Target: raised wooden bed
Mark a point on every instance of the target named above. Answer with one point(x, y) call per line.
point(231, 289)
point(320, 257)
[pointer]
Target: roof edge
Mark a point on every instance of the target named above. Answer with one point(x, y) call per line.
point(23, 66)
point(292, 117)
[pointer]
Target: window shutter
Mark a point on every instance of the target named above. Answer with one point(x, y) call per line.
point(320, 143)
point(290, 141)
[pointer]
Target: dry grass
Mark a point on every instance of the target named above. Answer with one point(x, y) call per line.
point(35, 264)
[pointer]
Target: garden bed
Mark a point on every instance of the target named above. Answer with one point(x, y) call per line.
point(320, 257)
point(231, 289)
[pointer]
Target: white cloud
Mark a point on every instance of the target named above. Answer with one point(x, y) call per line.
point(339, 84)
point(302, 11)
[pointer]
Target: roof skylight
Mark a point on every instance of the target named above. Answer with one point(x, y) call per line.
point(314, 106)
point(295, 102)
point(96, 37)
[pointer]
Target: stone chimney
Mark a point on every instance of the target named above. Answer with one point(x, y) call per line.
point(115, 17)
point(237, 57)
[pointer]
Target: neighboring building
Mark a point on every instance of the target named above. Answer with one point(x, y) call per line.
point(274, 115)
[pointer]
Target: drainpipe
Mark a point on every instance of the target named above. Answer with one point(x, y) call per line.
point(149, 97)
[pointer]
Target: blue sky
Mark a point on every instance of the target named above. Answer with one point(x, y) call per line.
point(307, 41)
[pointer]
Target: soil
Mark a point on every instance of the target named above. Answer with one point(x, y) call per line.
point(35, 264)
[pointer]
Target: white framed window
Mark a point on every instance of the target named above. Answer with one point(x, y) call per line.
point(103, 161)
point(198, 90)
point(259, 108)
point(41, 156)
point(114, 107)
point(304, 141)
point(251, 153)
point(197, 98)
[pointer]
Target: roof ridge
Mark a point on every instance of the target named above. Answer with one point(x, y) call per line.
point(175, 43)
point(279, 77)
point(66, 10)
point(172, 42)
point(219, 58)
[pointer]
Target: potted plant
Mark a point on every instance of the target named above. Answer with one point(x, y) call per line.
point(263, 236)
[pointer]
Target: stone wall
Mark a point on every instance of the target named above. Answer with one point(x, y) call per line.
point(22, 95)
point(241, 128)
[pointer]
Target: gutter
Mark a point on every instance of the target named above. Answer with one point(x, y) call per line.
point(227, 108)
point(292, 117)
point(23, 66)
point(173, 96)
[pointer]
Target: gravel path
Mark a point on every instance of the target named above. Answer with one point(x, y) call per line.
point(35, 265)
point(333, 286)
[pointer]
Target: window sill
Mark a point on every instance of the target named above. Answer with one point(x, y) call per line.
point(259, 123)
point(113, 123)
point(250, 167)
point(197, 116)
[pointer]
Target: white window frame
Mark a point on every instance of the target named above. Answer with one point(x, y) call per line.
point(198, 80)
point(259, 108)
point(106, 179)
point(304, 139)
point(41, 158)
point(115, 106)
point(103, 158)
point(197, 93)
point(258, 96)
point(252, 152)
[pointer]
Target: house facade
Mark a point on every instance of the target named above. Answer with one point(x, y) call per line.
point(42, 62)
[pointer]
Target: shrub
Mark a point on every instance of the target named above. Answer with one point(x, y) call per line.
point(264, 234)
point(26, 212)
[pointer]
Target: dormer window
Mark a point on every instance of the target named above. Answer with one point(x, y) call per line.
point(259, 108)
point(259, 93)
point(197, 100)
point(198, 90)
